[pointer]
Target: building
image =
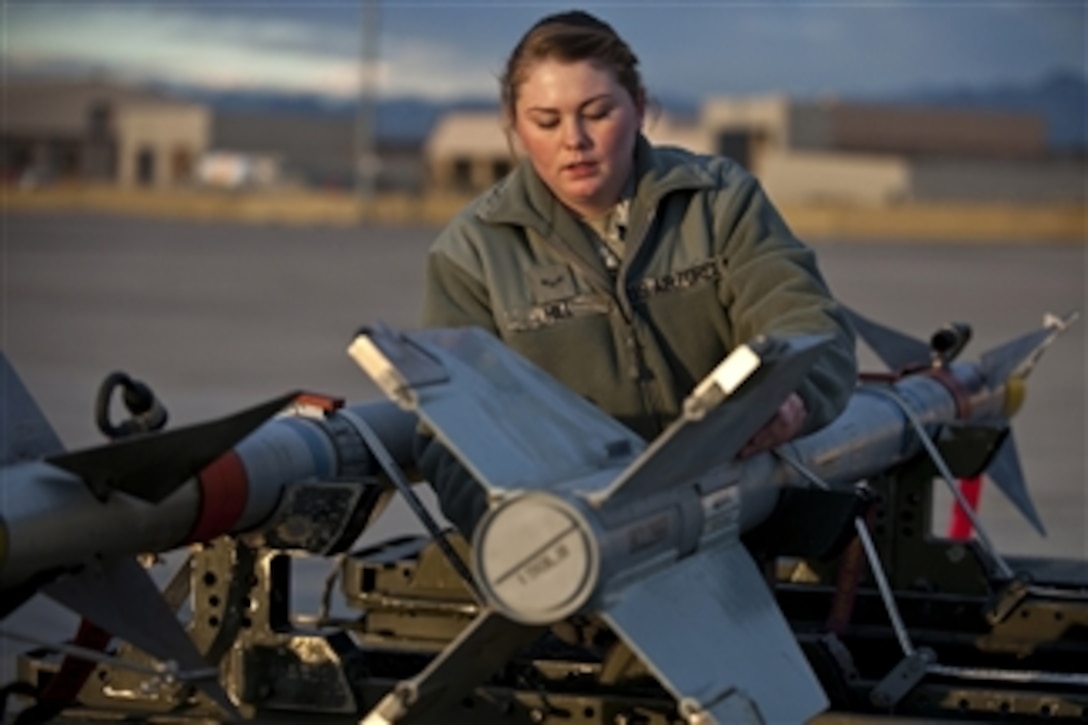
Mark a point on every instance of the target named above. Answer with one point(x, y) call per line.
point(826, 151)
point(467, 151)
point(87, 131)
point(820, 151)
point(316, 150)
point(104, 132)
point(846, 152)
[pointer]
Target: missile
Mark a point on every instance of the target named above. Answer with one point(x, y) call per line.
point(584, 517)
point(931, 391)
point(160, 491)
point(71, 523)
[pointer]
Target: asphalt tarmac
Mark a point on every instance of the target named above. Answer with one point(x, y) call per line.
point(219, 316)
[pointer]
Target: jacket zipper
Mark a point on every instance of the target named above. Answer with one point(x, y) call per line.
point(639, 370)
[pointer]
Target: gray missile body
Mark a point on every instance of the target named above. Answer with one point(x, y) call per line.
point(72, 523)
point(578, 551)
point(546, 552)
point(593, 520)
point(874, 433)
point(51, 520)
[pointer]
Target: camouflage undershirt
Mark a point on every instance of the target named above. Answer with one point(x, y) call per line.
point(611, 229)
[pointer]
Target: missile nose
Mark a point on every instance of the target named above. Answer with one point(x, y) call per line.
point(536, 559)
point(1017, 357)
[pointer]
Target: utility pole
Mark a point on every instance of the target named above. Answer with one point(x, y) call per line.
point(366, 157)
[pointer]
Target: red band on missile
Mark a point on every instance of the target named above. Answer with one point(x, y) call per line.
point(224, 489)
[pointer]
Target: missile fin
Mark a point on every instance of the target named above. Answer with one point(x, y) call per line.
point(396, 365)
point(895, 349)
point(480, 650)
point(511, 424)
point(26, 433)
point(121, 598)
point(722, 414)
point(1008, 475)
point(1018, 356)
point(727, 647)
point(154, 465)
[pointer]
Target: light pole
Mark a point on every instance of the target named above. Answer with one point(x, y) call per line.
point(367, 163)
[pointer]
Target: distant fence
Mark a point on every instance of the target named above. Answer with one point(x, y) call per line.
point(997, 222)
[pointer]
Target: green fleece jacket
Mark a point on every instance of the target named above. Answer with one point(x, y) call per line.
point(709, 264)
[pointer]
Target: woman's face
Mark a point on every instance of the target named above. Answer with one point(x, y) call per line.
point(578, 126)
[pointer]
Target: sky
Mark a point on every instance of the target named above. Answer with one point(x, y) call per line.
point(444, 50)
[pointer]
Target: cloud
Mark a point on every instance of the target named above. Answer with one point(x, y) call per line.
point(445, 50)
point(435, 70)
point(186, 45)
point(180, 45)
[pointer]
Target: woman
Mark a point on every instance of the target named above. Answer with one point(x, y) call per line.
point(624, 270)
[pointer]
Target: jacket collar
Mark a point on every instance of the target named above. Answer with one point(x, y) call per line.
point(523, 199)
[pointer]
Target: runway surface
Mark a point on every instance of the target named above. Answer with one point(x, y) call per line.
point(219, 316)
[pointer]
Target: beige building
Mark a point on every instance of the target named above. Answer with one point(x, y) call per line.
point(99, 132)
point(864, 153)
point(822, 151)
point(468, 151)
point(316, 151)
point(776, 123)
point(103, 132)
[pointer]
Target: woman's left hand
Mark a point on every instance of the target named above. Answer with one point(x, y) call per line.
point(784, 426)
